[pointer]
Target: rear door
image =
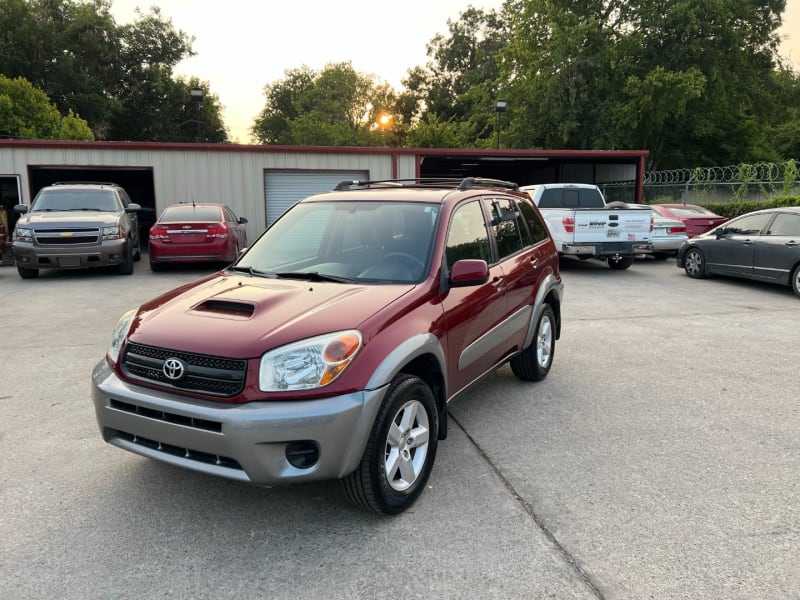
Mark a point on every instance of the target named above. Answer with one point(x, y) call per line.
point(778, 249)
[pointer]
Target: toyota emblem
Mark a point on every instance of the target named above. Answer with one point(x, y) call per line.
point(174, 369)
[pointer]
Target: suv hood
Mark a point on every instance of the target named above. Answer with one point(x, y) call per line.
point(68, 218)
point(238, 316)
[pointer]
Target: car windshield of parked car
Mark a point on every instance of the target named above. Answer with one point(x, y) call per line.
point(188, 212)
point(365, 241)
point(95, 200)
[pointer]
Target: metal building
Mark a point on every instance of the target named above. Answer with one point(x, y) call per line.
point(260, 182)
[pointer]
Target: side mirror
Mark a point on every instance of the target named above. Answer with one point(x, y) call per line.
point(469, 272)
point(20, 209)
point(133, 207)
point(242, 220)
point(720, 232)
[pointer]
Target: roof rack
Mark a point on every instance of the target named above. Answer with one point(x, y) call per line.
point(83, 183)
point(466, 183)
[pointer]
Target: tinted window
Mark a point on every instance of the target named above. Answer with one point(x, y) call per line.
point(190, 213)
point(748, 225)
point(536, 226)
point(785, 224)
point(467, 237)
point(552, 198)
point(506, 223)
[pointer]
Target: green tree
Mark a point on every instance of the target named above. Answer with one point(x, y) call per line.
point(457, 89)
point(118, 77)
point(336, 106)
point(27, 113)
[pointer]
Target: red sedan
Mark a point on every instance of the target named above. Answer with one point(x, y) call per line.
point(696, 218)
point(196, 233)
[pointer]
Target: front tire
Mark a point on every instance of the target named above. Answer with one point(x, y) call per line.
point(694, 263)
point(27, 272)
point(126, 266)
point(533, 363)
point(619, 263)
point(400, 451)
point(796, 280)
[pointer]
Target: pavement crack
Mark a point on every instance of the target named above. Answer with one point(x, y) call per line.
point(531, 512)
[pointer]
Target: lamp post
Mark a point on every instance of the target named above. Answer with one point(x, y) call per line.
point(197, 94)
point(499, 108)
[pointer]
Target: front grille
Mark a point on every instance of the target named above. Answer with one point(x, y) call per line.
point(203, 374)
point(67, 237)
point(186, 453)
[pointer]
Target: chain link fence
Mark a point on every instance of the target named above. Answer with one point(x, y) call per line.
point(711, 184)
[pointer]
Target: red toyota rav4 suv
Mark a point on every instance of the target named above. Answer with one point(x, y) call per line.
point(331, 348)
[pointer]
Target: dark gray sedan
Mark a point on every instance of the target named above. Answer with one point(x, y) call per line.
point(763, 245)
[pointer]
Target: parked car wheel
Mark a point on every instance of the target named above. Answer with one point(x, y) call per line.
point(796, 280)
point(620, 262)
point(694, 263)
point(533, 363)
point(27, 273)
point(137, 254)
point(126, 266)
point(156, 267)
point(400, 450)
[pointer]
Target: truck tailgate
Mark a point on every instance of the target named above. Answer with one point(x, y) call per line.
point(624, 225)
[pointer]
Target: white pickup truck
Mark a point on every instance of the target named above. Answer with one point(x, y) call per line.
point(583, 225)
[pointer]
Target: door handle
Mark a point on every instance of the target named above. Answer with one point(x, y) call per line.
point(791, 244)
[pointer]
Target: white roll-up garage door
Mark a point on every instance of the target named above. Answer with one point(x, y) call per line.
point(284, 188)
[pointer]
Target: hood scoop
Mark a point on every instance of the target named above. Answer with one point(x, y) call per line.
point(226, 308)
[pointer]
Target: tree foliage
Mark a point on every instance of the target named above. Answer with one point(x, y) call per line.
point(693, 82)
point(336, 106)
point(119, 78)
point(26, 112)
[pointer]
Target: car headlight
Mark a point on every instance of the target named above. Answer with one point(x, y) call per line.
point(23, 235)
point(308, 364)
point(120, 333)
point(112, 233)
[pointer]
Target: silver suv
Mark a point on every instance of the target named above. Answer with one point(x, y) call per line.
point(77, 225)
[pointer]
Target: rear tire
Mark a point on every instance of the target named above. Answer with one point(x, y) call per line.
point(400, 451)
point(156, 267)
point(796, 280)
point(619, 263)
point(27, 272)
point(694, 263)
point(533, 363)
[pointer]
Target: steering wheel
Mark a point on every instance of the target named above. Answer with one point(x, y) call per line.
point(406, 257)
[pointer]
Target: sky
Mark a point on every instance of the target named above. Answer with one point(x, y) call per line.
point(243, 45)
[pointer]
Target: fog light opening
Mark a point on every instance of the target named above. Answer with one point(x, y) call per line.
point(302, 455)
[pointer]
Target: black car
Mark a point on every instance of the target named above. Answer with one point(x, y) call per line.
point(763, 245)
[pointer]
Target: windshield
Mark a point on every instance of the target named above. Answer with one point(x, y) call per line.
point(187, 212)
point(377, 242)
point(93, 200)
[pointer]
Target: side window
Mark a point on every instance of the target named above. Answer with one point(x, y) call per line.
point(505, 221)
point(785, 224)
point(535, 224)
point(467, 236)
point(123, 196)
point(749, 225)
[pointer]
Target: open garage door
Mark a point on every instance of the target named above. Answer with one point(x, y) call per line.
point(137, 181)
point(284, 188)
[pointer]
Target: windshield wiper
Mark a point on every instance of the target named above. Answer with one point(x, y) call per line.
point(251, 271)
point(314, 276)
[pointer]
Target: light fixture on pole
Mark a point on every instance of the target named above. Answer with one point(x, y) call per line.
point(499, 108)
point(197, 94)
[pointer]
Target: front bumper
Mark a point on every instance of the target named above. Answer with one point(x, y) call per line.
point(245, 442)
point(32, 256)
